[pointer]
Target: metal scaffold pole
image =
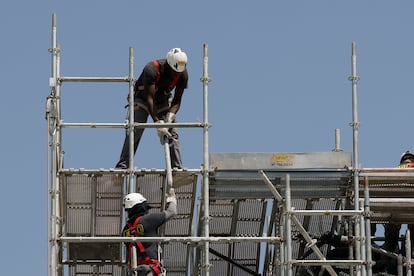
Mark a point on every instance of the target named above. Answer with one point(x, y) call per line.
point(355, 125)
point(130, 181)
point(54, 157)
point(205, 192)
point(52, 246)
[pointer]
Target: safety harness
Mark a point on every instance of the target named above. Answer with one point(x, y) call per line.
point(154, 264)
point(173, 82)
point(171, 86)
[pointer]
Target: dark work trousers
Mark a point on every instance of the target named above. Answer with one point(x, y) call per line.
point(141, 116)
point(392, 235)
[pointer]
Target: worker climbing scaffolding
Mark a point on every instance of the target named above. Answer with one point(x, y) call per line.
point(144, 257)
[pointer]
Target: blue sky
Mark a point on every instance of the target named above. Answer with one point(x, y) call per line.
point(280, 84)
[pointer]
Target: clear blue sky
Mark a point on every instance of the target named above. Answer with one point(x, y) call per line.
point(280, 84)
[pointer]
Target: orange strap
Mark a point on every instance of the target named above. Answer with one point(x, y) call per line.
point(154, 264)
point(173, 82)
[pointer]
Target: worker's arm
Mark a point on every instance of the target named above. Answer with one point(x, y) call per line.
point(149, 90)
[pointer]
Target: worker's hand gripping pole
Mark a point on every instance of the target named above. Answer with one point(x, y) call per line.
point(168, 165)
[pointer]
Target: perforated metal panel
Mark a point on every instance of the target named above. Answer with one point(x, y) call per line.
point(92, 208)
point(95, 269)
point(235, 217)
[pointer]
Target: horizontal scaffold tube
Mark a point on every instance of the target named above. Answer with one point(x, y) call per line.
point(125, 125)
point(172, 239)
point(93, 79)
point(328, 262)
point(326, 212)
point(120, 171)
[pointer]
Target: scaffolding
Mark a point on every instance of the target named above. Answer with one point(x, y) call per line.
point(238, 214)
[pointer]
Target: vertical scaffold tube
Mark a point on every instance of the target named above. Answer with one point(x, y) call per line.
point(288, 223)
point(52, 248)
point(355, 125)
point(367, 212)
point(57, 156)
point(205, 79)
point(408, 252)
point(130, 183)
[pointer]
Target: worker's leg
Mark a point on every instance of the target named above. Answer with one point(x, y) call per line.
point(392, 234)
point(140, 116)
point(411, 228)
point(175, 153)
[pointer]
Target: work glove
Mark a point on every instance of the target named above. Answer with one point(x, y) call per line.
point(170, 117)
point(171, 197)
point(162, 132)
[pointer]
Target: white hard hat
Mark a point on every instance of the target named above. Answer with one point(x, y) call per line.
point(130, 200)
point(177, 59)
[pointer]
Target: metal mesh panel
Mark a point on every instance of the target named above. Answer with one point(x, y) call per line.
point(178, 226)
point(176, 273)
point(78, 221)
point(321, 224)
point(239, 272)
point(219, 267)
point(150, 185)
point(175, 257)
point(245, 251)
point(94, 252)
point(221, 213)
point(248, 228)
point(78, 203)
point(95, 270)
point(186, 204)
point(78, 189)
point(93, 207)
point(239, 218)
point(250, 218)
point(244, 254)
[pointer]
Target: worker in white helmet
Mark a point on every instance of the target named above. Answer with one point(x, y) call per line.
point(143, 256)
point(154, 96)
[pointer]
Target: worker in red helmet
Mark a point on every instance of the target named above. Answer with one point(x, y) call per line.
point(158, 93)
point(143, 257)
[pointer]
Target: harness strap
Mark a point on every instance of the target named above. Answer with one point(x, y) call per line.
point(173, 82)
point(154, 264)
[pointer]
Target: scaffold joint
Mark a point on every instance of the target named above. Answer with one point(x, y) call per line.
point(53, 50)
point(354, 78)
point(206, 79)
